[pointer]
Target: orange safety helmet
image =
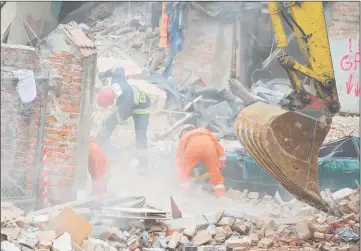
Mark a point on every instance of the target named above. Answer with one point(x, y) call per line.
point(106, 97)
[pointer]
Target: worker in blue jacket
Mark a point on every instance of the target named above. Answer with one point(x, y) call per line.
point(129, 101)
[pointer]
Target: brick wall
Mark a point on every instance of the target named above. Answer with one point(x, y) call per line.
point(19, 124)
point(345, 19)
point(64, 64)
point(60, 134)
point(61, 60)
point(199, 47)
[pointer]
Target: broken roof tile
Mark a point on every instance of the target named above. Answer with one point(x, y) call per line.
point(86, 46)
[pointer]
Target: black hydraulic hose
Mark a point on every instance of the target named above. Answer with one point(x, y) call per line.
point(287, 21)
point(297, 25)
point(293, 21)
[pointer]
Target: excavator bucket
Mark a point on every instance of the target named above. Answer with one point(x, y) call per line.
point(285, 144)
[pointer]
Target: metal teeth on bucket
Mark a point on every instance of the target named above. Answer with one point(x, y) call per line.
point(286, 144)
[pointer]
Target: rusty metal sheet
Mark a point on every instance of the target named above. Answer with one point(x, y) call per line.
point(285, 144)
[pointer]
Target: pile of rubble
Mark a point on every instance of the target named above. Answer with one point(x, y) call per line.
point(344, 126)
point(119, 227)
point(129, 33)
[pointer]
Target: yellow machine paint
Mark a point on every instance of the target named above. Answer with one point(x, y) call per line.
point(286, 143)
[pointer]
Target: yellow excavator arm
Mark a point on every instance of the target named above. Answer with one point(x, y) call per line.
point(285, 140)
point(307, 20)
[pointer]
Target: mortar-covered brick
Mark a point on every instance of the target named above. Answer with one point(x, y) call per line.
point(19, 122)
point(19, 57)
point(199, 47)
point(61, 127)
point(345, 20)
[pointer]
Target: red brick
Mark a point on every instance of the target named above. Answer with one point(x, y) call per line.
point(67, 67)
point(55, 60)
point(60, 149)
point(67, 133)
point(69, 127)
point(71, 109)
point(77, 74)
point(64, 102)
point(75, 86)
point(57, 137)
point(55, 54)
point(64, 54)
point(51, 131)
point(51, 119)
point(77, 80)
point(67, 79)
point(64, 127)
point(72, 139)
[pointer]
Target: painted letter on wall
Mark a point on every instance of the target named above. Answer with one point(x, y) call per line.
point(346, 64)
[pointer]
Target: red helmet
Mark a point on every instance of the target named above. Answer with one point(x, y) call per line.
point(106, 97)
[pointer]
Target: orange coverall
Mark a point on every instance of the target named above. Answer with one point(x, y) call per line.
point(98, 167)
point(200, 145)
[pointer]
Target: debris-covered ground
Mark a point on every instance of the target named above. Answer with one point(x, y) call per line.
point(131, 223)
point(241, 221)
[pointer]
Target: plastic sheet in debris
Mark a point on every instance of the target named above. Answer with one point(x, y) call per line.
point(134, 213)
point(348, 235)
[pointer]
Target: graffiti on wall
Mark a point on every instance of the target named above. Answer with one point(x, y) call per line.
point(350, 63)
point(346, 63)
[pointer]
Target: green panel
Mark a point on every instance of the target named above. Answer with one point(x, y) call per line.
point(333, 173)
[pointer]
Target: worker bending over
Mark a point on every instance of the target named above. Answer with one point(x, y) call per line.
point(197, 146)
point(129, 101)
point(98, 168)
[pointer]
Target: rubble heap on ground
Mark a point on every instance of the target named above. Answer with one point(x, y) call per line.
point(310, 230)
point(344, 126)
point(127, 31)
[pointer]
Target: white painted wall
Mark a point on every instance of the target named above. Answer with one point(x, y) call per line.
point(7, 15)
point(37, 14)
point(346, 63)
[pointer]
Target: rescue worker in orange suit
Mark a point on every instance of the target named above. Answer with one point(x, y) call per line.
point(129, 101)
point(98, 168)
point(197, 147)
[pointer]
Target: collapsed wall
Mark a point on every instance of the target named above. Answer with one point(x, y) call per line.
point(67, 60)
point(19, 124)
